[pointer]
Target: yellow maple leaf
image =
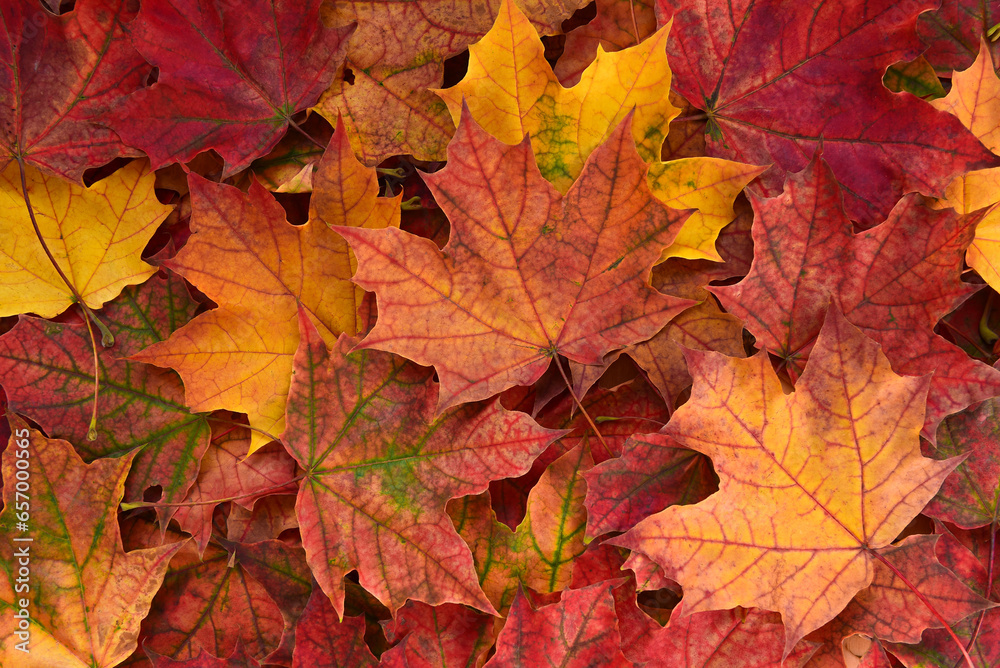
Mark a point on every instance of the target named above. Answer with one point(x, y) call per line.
point(96, 235)
point(975, 100)
point(261, 270)
point(812, 484)
point(511, 90)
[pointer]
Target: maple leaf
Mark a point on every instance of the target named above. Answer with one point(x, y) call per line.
point(620, 412)
point(95, 234)
point(324, 640)
point(539, 554)
point(60, 76)
point(917, 77)
point(841, 456)
point(227, 472)
point(269, 517)
point(895, 281)
point(205, 603)
point(614, 28)
point(397, 56)
point(216, 89)
point(236, 659)
point(376, 460)
point(527, 273)
point(46, 373)
point(975, 100)
point(577, 631)
point(436, 637)
point(94, 595)
point(969, 498)
point(823, 86)
point(652, 473)
point(511, 90)
point(260, 269)
point(953, 32)
point(717, 639)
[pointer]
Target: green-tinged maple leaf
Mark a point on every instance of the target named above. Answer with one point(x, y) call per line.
point(811, 484)
point(953, 31)
point(209, 603)
point(527, 273)
point(539, 553)
point(380, 468)
point(216, 88)
point(60, 76)
point(47, 372)
point(83, 596)
point(971, 497)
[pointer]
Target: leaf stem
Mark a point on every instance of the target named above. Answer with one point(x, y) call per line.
point(635, 26)
point(305, 134)
point(107, 339)
point(928, 605)
point(214, 502)
point(244, 425)
point(569, 386)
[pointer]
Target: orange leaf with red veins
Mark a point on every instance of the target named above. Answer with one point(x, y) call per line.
point(970, 497)
point(323, 640)
point(653, 472)
point(578, 631)
point(60, 76)
point(260, 269)
point(397, 55)
point(85, 596)
point(539, 554)
point(47, 372)
point(380, 468)
point(895, 281)
point(216, 89)
point(227, 471)
point(436, 637)
point(811, 483)
point(527, 273)
point(206, 603)
point(823, 86)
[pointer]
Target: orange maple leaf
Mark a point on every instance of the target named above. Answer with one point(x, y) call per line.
point(812, 484)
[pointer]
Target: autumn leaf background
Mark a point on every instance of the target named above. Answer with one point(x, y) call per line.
point(510, 333)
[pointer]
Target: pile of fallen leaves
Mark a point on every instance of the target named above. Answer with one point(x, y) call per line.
point(507, 332)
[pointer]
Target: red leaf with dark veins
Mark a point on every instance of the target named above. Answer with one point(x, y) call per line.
point(894, 281)
point(324, 641)
point(436, 637)
point(231, 76)
point(777, 79)
point(577, 632)
point(59, 77)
